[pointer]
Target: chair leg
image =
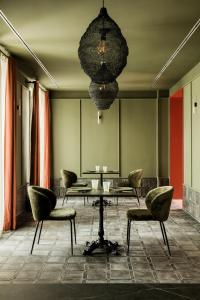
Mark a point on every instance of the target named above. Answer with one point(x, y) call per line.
point(40, 231)
point(71, 231)
point(128, 235)
point(87, 200)
point(84, 200)
point(63, 200)
point(36, 229)
point(166, 239)
point(74, 230)
point(163, 235)
point(127, 232)
point(117, 201)
point(138, 199)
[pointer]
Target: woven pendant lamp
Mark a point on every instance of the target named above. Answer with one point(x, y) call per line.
point(103, 95)
point(103, 50)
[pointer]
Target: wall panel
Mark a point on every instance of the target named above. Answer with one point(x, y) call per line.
point(100, 142)
point(195, 134)
point(163, 137)
point(187, 135)
point(65, 136)
point(138, 136)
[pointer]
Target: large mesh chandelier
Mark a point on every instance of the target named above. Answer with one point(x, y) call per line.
point(103, 95)
point(103, 46)
point(103, 54)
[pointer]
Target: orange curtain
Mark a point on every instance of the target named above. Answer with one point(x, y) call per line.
point(10, 149)
point(35, 145)
point(47, 154)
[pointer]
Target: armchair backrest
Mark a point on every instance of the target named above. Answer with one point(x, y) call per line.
point(68, 177)
point(158, 202)
point(135, 178)
point(42, 202)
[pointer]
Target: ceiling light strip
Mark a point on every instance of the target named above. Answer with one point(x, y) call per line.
point(9, 24)
point(4, 51)
point(176, 52)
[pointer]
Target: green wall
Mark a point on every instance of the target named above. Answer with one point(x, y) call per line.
point(125, 139)
point(195, 134)
point(138, 136)
point(65, 136)
point(163, 137)
point(187, 135)
point(99, 142)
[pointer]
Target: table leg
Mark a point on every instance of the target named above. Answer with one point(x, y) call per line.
point(101, 228)
point(101, 243)
point(105, 202)
point(101, 179)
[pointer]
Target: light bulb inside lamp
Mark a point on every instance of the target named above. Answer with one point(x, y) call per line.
point(102, 87)
point(102, 47)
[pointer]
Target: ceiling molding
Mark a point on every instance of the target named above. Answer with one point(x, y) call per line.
point(27, 47)
point(177, 51)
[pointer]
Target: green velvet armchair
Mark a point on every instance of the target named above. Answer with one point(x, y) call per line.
point(69, 179)
point(43, 203)
point(158, 202)
point(134, 181)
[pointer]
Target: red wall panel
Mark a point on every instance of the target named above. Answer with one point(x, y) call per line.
point(176, 143)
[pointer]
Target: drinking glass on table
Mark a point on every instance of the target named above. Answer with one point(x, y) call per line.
point(105, 168)
point(97, 168)
point(95, 183)
point(106, 186)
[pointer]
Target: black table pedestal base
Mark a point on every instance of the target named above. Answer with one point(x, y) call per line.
point(105, 203)
point(106, 245)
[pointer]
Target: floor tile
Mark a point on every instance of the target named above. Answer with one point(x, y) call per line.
point(147, 262)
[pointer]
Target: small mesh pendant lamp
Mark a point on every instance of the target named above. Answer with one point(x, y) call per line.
point(103, 95)
point(103, 50)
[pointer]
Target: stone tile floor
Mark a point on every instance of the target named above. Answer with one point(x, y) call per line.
point(148, 261)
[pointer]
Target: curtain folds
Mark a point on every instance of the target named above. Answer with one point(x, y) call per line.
point(40, 138)
point(47, 144)
point(35, 138)
point(3, 76)
point(10, 148)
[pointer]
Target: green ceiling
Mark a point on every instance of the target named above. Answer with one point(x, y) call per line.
point(153, 30)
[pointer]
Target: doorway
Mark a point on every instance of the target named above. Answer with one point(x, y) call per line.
point(176, 143)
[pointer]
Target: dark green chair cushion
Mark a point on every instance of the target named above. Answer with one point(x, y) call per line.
point(139, 214)
point(68, 178)
point(40, 203)
point(158, 202)
point(43, 203)
point(135, 178)
point(62, 214)
point(50, 195)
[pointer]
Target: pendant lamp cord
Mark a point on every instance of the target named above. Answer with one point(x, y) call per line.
point(103, 3)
